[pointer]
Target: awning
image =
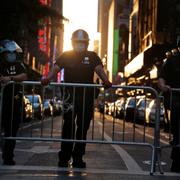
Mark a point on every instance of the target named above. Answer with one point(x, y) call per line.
point(144, 61)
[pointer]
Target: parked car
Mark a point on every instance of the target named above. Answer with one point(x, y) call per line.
point(117, 108)
point(27, 110)
point(37, 105)
point(107, 108)
point(112, 108)
point(57, 106)
point(100, 107)
point(130, 107)
point(151, 112)
point(141, 107)
point(47, 107)
point(120, 108)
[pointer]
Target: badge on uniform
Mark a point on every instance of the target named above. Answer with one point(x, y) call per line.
point(86, 60)
point(11, 70)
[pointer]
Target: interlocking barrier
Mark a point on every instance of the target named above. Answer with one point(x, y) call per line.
point(172, 112)
point(42, 106)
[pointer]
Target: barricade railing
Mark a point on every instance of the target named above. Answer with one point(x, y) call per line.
point(61, 98)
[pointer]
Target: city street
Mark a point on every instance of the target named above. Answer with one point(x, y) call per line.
point(38, 159)
point(60, 60)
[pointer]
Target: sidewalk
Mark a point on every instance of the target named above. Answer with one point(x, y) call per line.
point(38, 160)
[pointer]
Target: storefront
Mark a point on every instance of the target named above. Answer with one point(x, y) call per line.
point(144, 68)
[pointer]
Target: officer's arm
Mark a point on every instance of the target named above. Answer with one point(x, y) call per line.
point(19, 77)
point(51, 75)
point(162, 85)
point(101, 73)
point(53, 72)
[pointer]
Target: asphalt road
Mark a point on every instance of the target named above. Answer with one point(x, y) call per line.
point(38, 159)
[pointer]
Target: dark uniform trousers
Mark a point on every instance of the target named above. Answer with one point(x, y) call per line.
point(11, 115)
point(175, 127)
point(76, 124)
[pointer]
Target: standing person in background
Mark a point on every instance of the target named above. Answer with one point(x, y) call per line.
point(169, 78)
point(11, 69)
point(79, 66)
point(166, 97)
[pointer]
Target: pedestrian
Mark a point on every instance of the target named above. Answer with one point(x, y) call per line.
point(79, 66)
point(166, 96)
point(11, 69)
point(168, 79)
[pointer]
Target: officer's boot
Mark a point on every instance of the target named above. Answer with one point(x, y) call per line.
point(78, 161)
point(63, 160)
point(7, 152)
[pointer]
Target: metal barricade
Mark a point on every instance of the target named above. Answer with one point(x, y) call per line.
point(48, 127)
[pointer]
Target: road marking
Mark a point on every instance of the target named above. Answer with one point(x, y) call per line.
point(128, 160)
point(147, 135)
point(53, 169)
point(151, 137)
point(38, 150)
point(148, 162)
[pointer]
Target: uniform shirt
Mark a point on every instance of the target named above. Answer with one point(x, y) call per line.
point(78, 67)
point(12, 69)
point(170, 71)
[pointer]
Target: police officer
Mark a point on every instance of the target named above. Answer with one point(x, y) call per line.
point(11, 69)
point(169, 78)
point(79, 66)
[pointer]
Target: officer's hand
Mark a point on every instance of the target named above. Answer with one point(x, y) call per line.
point(45, 81)
point(4, 79)
point(165, 88)
point(107, 84)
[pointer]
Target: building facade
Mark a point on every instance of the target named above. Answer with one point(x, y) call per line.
point(42, 51)
point(113, 24)
point(154, 28)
